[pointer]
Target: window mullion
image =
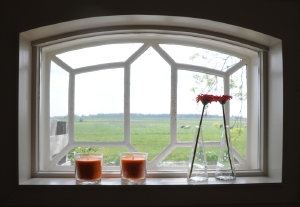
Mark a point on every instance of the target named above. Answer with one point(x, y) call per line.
point(71, 108)
point(62, 64)
point(173, 121)
point(173, 112)
point(227, 92)
point(201, 69)
point(238, 66)
point(163, 54)
point(127, 104)
point(127, 71)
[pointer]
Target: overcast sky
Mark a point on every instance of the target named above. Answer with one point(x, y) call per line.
point(103, 91)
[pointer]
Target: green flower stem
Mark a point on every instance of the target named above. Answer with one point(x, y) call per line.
point(196, 143)
point(227, 141)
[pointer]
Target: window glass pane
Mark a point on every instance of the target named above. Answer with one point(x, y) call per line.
point(179, 157)
point(150, 103)
point(200, 57)
point(99, 54)
point(59, 86)
point(238, 110)
point(99, 98)
point(189, 85)
point(186, 124)
point(212, 154)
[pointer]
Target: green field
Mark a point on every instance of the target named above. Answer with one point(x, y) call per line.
point(152, 135)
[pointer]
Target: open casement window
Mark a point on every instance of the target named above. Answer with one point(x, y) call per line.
point(136, 92)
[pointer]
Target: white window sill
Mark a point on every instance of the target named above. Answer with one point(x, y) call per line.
point(152, 181)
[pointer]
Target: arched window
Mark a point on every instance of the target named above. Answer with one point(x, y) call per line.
point(135, 91)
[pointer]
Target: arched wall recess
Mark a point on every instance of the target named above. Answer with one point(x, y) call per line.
point(118, 25)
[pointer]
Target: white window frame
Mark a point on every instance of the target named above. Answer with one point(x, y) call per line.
point(248, 59)
point(264, 118)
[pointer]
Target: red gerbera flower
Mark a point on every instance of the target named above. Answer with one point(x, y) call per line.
point(222, 99)
point(205, 98)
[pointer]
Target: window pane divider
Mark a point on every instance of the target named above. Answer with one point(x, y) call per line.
point(161, 155)
point(237, 66)
point(127, 104)
point(97, 67)
point(71, 108)
point(61, 64)
point(200, 69)
point(173, 106)
point(163, 54)
point(98, 143)
point(227, 92)
point(52, 163)
point(138, 53)
point(238, 157)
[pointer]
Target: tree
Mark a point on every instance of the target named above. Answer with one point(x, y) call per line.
point(212, 84)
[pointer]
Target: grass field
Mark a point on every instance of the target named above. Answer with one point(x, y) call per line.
point(152, 135)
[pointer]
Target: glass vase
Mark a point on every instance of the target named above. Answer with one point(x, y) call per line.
point(225, 169)
point(197, 168)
